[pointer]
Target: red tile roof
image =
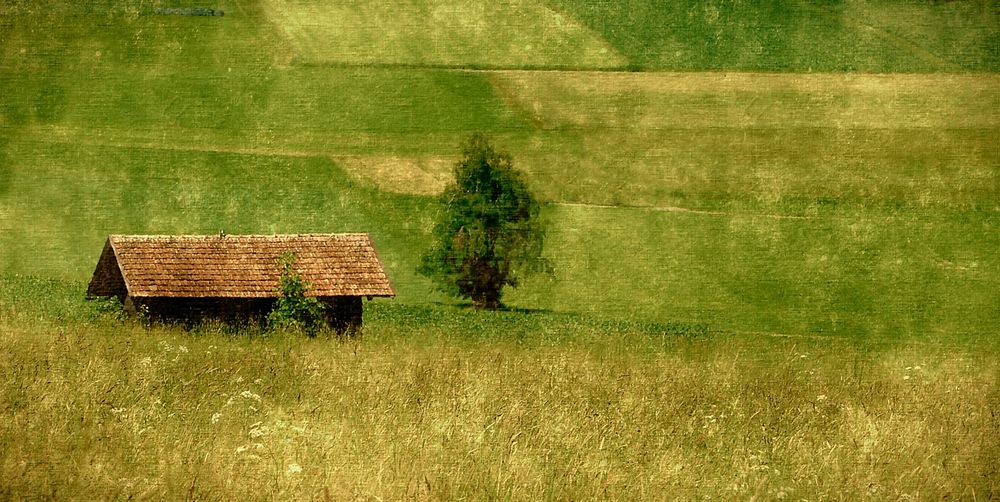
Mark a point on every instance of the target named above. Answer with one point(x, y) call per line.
point(238, 266)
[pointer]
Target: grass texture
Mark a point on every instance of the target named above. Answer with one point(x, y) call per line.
point(793, 36)
point(520, 33)
point(437, 403)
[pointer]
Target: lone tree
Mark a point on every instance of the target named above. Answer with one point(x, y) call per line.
point(489, 233)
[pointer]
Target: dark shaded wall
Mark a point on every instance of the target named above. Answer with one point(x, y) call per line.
point(343, 313)
point(191, 311)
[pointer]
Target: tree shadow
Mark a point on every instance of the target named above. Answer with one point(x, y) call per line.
point(468, 306)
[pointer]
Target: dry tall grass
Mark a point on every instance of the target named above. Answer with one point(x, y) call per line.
point(561, 411)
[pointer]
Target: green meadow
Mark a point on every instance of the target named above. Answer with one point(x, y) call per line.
point(774, 230)
point(793, 36)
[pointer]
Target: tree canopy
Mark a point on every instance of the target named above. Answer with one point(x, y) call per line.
point(489, 233)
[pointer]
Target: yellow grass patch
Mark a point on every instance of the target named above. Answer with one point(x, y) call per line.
point(694, 100)
point(662, 139)
point(516, 33)
point(414, 175)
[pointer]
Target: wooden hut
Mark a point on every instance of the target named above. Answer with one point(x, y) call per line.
point(189, 278)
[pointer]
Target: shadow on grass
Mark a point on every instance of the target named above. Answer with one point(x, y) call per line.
point(468, 306)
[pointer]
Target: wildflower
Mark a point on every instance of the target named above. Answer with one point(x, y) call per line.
point(250, 395)
point(821, 397)
point(216, 417)
point(117, 411)
point(257, 430)
point(182, 348)
point(294, 468)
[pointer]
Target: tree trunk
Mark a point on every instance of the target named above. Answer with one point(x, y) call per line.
point(487, 300)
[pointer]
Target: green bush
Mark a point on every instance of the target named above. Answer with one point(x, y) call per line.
point(293, 310)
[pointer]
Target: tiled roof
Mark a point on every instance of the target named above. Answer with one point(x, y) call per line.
point(238, 266)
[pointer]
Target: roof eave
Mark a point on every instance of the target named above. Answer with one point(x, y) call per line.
point(378, 259)
point(111, 242)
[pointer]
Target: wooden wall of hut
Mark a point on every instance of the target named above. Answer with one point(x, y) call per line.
point(343, 313)
point(192, 311)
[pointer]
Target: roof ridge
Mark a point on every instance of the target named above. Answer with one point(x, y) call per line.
point(227, 236)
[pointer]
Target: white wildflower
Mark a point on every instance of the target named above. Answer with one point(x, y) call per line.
point(117, 411)
point(821, 397)
point(216, 417)
point(182, 348)
point(250, 395)
point(294, 468)
point(257, 430)
point(257, 381)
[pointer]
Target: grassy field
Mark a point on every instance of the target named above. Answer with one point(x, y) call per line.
point(789, 35)
point(444, 33)
point(702, 140)
point(844, 270)
point(437, 403)
point(774, 241)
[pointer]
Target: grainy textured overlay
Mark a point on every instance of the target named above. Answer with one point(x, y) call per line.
point(773, 229)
